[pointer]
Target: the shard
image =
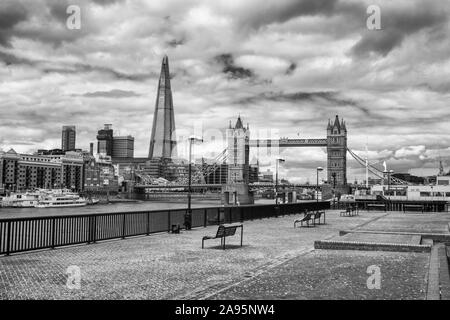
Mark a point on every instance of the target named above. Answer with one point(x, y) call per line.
point(163, 140)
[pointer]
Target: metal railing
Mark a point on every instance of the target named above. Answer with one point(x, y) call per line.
point(26, 234)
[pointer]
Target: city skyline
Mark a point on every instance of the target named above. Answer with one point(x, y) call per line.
point(271, 64)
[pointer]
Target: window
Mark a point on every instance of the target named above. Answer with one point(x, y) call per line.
point(425, 194)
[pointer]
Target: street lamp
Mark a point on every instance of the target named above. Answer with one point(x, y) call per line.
point(188, 215)
point(317, 183)
point(334, 188)
point(276, 179)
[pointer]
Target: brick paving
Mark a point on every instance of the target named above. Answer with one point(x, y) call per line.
point(169, 266)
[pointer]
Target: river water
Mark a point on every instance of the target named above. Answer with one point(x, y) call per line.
point(6, 213)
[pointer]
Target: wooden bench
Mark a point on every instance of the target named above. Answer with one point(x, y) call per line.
point(318, 215)
point(376, 206)
point(224, 231)
point(307, 218)
point(413, 206)
point(349, 212)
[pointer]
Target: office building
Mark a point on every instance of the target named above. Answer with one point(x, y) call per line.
point(105, 140)
point(123, 147)
point(68, 138)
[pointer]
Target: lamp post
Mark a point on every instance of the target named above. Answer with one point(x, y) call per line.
point(188, 215)
point(276, 180)
point(317, 183)
point(334, 188)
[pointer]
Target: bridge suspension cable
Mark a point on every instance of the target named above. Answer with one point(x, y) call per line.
point(374, 170)
point(201, 172)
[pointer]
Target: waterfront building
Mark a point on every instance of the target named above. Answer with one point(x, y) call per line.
point(163, 141)
point(20, 172)
point(123, 147)
point(68, 138)
point(100, 174)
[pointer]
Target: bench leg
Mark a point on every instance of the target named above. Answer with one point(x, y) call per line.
point(224, 242)
point(203, 243)
point(242, 234)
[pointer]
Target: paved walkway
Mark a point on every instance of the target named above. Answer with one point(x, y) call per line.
point(277, 261)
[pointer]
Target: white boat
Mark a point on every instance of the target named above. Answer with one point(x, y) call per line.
point(21, 200)
point(61, 199)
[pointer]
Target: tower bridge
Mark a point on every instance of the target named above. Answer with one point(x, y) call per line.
point(236, 155)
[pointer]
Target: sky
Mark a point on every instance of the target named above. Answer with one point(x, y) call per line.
point(284, 66)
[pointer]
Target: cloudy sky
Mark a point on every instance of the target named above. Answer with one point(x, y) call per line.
point(283, 65)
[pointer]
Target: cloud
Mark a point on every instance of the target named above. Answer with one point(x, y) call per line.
point(115, 93)
point(226, 60)
point(11, 14)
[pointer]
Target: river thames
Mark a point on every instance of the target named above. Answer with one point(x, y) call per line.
point(6, 213)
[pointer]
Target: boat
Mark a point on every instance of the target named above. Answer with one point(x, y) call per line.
point(60, 199)
point(21, 200)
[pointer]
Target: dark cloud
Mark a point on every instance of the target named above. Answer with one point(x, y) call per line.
point(115, 93)
point(276, 13)
point(291, 68)
point(10, 59)
point(232, 70)
point(175, 43)
point(11, 13)
point(330, 96)
point(84, 68)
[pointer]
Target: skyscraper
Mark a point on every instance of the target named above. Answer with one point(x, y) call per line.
point(105, 140)
point(162, 142)
point(68, 138)
point(123, 147)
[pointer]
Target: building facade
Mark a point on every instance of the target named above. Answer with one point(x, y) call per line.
point(20, 172)
point(123, 147)
point(337, 153)
point(68, 138)
point(163, 141)
point(105, 140)
point(238, 153)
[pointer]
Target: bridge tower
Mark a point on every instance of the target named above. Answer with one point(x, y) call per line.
point(236, 191)
point(337, 153)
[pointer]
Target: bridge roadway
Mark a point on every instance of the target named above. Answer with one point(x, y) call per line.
point(283, 143)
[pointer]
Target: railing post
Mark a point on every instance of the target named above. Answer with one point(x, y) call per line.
point(53, 232)
point(148, 223)
point(168, 221)
point(218, 215)
point(205, 218)
point(241, 213)
point(123, 226)
point(94, 229)
point(8, 240)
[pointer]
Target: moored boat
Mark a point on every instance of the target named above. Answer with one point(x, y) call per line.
point(61, 199)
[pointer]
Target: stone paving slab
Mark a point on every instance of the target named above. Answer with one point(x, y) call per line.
point(328, 274)
point(436, 223)
point(381, 238)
